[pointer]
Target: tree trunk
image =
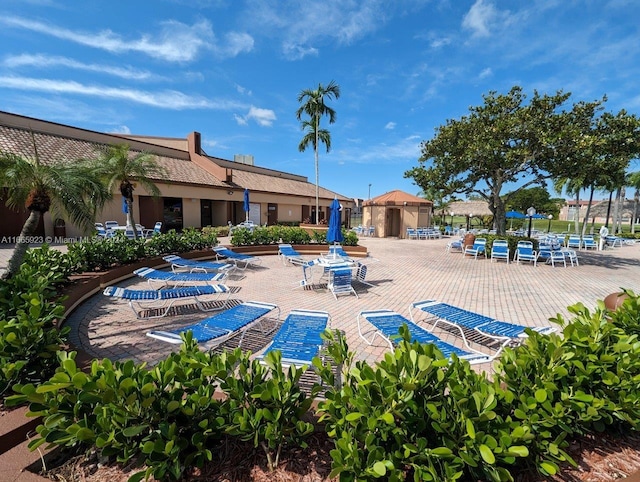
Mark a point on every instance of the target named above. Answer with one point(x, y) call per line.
point(317, 175)
point(130, 220)
point(616, 206)
point(576, 218)
point(634, 216)
point(20, 249)
point(586, 216)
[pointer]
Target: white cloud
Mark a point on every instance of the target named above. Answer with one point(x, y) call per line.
point(297, 52)
point(303, 25)
point(406, 149)
point(243, 90)
point(390, 125)
point(121, 130)
point(167, 99)
point(264, 117)
point(437, 43)
point(175, 41)
point(242, 121)
point(479, 17)
point(42, 61)
point(485, 73)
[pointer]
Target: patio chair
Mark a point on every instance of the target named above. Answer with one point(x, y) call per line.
point(157, 229)
point(613, 241)
point(236, 258)
point(298, 338)
point(525, 252)
point(289, 255)
point(588, 242)
point(191, 265)
point(385, 324)
point(500, 250)
point(573, 257)
point(455, 245)
point(101, 232)
point(165, 278)
point(109, 225)
point(557, 257)
point(222, 326)
point(574, 241)
point(340, 282)
point(336, 251)
point(412, 233)
point(146, 302)
point(478, 248)
point(465, 321)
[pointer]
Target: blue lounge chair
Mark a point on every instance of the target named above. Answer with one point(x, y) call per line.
point(165, 278)
point(525, 252)
point(340, 282)
point(477, 249)
point(501, 331)
point(157, 303)
point(500, 250)
point(298, 338)
point(386, 323)
point(236, 258)
point(289, 255)
point(336, 251)
point(222, 326)
point(192, 266)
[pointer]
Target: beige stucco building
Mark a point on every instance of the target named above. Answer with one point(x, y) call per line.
point(395, 211)
point(198, 190)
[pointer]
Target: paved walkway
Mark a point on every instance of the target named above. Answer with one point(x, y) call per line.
point(405, 271)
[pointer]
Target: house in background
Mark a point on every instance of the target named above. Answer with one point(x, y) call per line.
point(395, 211)
point(199, 190)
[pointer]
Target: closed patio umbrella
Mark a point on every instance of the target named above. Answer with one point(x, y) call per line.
point(334, 233)
point(246, 205)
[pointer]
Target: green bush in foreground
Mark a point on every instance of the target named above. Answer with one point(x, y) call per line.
point(167, 416)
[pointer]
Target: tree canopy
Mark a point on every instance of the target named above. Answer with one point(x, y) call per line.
point(69, 190)
point(508, 142)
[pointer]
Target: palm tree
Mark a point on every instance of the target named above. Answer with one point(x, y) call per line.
point(313, 104)
point(634, 182)
point(117, 167)
point(68, 190)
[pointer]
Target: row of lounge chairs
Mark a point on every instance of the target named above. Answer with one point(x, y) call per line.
point(299, 335)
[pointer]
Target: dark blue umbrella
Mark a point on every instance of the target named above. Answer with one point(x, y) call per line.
point(515, 214)
point(539, 216)
point(246, 204)
point(334, 233)
point(125, 206)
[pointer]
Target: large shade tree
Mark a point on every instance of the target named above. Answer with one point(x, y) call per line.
point(70, 190)
point(496, 145)
point(313, 104)
point(121, 168)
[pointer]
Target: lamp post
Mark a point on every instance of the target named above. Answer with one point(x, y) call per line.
point(530, 212)
point(549, 217)
point(452, 220)
point(469, 221)
point(369, 191)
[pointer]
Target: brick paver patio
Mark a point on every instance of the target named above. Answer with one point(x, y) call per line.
point(402, 271)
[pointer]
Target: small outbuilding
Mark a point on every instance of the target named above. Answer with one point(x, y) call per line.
point(395, 211)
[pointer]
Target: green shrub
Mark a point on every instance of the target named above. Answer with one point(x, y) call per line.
point(168, 415)
point(294, 235)
point(29, 338)
point(585, 380)
point(265, 405)
point(417, 414)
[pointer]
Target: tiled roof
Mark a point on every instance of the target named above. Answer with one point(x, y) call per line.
point(55, 142)
point(397, 198)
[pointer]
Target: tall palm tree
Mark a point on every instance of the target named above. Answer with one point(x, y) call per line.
point(68, 190)
point(313, 104)
point(117, 167)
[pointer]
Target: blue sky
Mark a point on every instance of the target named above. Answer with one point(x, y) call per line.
point(232, 70)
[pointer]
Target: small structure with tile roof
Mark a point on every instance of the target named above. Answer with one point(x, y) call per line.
point(393, 212)
point(199, 190)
